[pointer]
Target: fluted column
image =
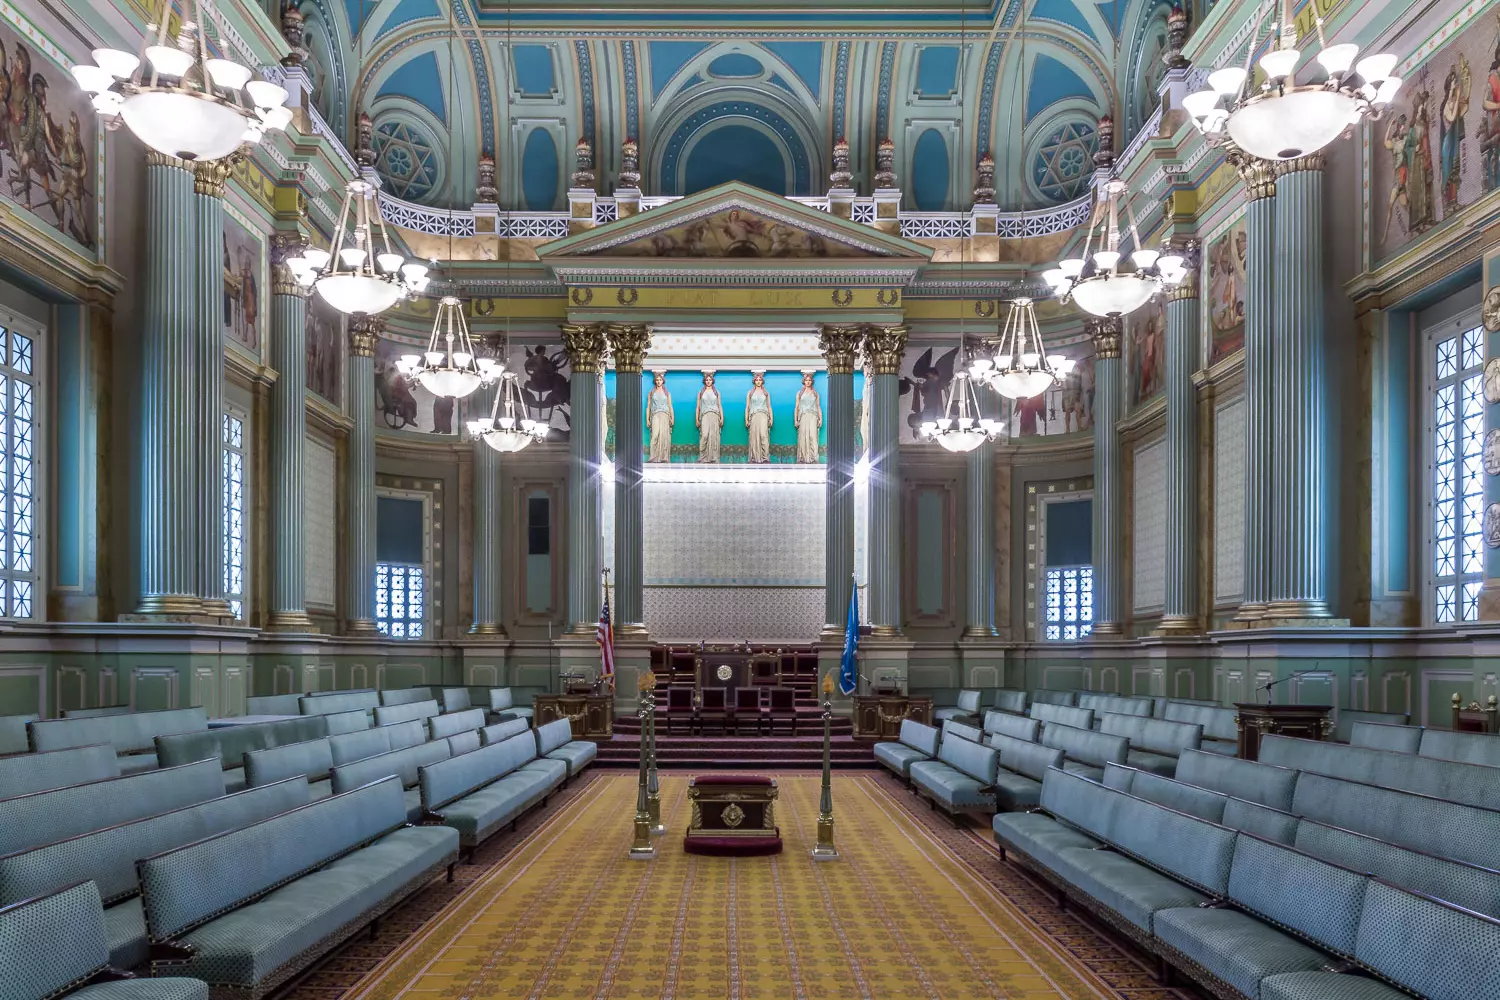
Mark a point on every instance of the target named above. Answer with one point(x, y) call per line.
point(885, 345)
point(169, 408)
point(629, 342)
point(208, 265)
point(1299, 535)
point(585, 344)
point(359, 587)
point(1180, 613)
point(288, 611)
point(1109, 491)
point(839, 345)
point(980, 480)
point(1260, 320)
point(487, 610)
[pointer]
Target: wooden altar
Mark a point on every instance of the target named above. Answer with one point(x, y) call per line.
point(1254, 721)
point(879, 716)
point(592, 715)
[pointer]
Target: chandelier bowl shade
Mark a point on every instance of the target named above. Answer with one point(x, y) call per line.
point(1023, 384)
point(448, 382)
point(357, 294)
point(1113, 294)
point(1292, 124)
point(961, 441)
point(179, 124)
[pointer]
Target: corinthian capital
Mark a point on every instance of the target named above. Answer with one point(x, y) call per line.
point(1105, 333)
point(839, 345)
point(364, 334)
point(885, 346)
point(586, 346)
point(628, 342)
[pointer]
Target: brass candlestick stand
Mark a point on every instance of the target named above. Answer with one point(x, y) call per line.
point(825, 851)
point(653, 786)
point(641, 848)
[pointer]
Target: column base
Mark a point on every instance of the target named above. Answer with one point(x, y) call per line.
point(1299, 621)
point(1178, 625)
point(290, 621)
point(1246, 616)
point(631, 630)
point(1107, 630)
point(361, 627)
point(217, 607)
point(979, 632)
point(582, 628)
point(170, 604)
point(886, 631)
point(487, 628)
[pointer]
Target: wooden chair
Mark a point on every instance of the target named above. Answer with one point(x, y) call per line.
point(1471, 718)
point(712, 705)
point(783, 706)
point(680, 706)
point(747, 705)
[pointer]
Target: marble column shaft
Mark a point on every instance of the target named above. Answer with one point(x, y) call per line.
point(1260, 414)
point(487, 610)
point(1109, 492)
point(288, 426)
point(839, 345)
point(208, 265)
point(169, 405)
point(1180, 612)
point(629, 343)
point(980, 478)
point(585, 344)
point(885, 346)
point(359, 588)
point(1298, 433)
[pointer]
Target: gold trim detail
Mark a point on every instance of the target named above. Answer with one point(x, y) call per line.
point(1106, 336)
point(286, 244)
point(885, 346)
point(362, 627)
point(364, 334)
point(290, 621)
point(486, 628)
point(1259, 178)
point(1313, 161)
point(170, 604)
point(210, 177)
point(586, 345)
point(839, 345)
point(629, 342)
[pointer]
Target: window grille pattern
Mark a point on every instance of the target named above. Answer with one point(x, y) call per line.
point(234, 514)
point(19, 578)
point(1458, 476)
point(1069, 610)
point(399, 600)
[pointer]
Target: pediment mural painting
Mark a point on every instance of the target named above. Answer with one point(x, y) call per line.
point(735, 232)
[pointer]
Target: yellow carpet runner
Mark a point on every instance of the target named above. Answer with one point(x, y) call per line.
point(568, 915)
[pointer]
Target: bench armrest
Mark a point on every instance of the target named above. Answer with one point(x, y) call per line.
point(170, 953)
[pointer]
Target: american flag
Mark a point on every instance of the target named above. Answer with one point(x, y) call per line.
point(606, 637)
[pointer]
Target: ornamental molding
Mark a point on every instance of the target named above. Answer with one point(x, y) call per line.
point(711, 273)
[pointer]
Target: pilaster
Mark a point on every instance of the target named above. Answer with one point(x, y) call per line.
point(1109, 487)
point(208, 211)
point(629, 343)
point(359, 587)
point(885, 346)
point(586, 346)
point(488, 609)
point(839, 345)
point(1180, 614)
point(288, 433)
point(1260, 318)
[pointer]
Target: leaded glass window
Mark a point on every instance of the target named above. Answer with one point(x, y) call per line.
point(234, 514)
point(1068, 608)
point(1457, 440)
point(19, 575)
point(399, 600)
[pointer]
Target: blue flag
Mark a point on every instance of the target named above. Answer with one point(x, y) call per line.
point(848, 666)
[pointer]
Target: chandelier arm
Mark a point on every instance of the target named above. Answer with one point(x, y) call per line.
point(339, 232)
point(1135, 232)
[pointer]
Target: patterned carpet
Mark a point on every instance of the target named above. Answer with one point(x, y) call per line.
point(916, 908)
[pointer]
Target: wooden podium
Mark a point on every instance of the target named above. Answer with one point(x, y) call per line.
point(591, 715)
point(1254, 721)
point(879, 716)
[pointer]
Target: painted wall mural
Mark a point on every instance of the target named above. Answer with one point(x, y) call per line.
point(1063, 409)
point(400, 406)
point(1148, 350)
point(1224, 270)
point(48, 140)
point(1437, 148)
point(734, 233)
point(325, 348)
point(242, 268)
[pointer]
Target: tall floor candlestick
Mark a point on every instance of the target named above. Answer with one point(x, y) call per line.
point(653, 787)
point(824, 850)
point(641, 848)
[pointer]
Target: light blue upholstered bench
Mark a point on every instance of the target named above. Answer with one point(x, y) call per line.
point(334, 702)
point(1009, 700)
point(1023, 765)
point(1469, 748)
point(917, 742)
point(502, 704)
point(503, 730)
point(55, 946)
point(131, 735)
point(555, 741)
point(311, 759)
point(440, 727)
point(479, 792)
point(1244, 779)
point(248, 909)
point(274, 704)
point(1343, 726)
point(1048, 713)
point(1045, 696)
point(1221, 734)
point(1165, 791)
point(420, 711)
point(1395, 737)
point(1471, 784)
point(25, 773)
point(1155, 744)
point(962, 731)
point(962, 779)
point(231, 744)
point(405, 764)
point(1114, 704)
point(455, 699)
point(380, 739)
point(1015, 726)
point(405, 696)
point(13, 733)
point(966, 709)
point(1085, 751)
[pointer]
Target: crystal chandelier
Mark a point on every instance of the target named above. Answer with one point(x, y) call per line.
point(1021, 368)
point(1097, 281)
point(175, 98)
point(450, 366)
point(502, 430)
point(1280, 119)
point(358, 277)
point(961, 427)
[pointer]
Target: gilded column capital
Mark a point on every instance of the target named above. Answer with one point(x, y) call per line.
point(586, 345)
point(209, 177)
point(1259, 178)
point(839, 345)
point(885, 346)
point(364, 334)
point(1105, 334)
point(156, 159)
point(1187, 288)
point(629, 342)
point(1298, 164)
point(286, 244)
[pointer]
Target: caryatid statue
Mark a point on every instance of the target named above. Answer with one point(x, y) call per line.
point(807, 417)
point(709, 416)
point(659, 419)
point(758, 419)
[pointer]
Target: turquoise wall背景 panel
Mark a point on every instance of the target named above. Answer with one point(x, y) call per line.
point(733, 152)
point(735, 65)
point(1053, 81)
point(1395, 417)
point(931, 550)
point(539, 171)
point(937, 70)
point(533, 70)
point(929, 171)
point(803, 58)
point(419, 79)
point(1069, 532)
point(667, 58)
point(73, 443)
point(1063, 12)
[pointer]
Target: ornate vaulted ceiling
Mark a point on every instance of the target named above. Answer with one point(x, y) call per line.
point(749, 90)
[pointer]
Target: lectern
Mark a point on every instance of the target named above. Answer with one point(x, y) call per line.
point(1254, 721)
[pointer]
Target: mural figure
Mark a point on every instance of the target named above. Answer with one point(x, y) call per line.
point(1407, 139)
point(864, 409)
point(1031, 414)
point(660, 419)
point(758, 419)
point(241, 280)
point(928, 386)
point(1149, 350)
point(1456, 87)
point(732, 233)
point(325, 338)
point(394, 400)
point(1226, 294)
point(1489, 125)
point(47, 165)
point(1078, 397)
point(546, 389)
point(709, 416)
point(807, 417)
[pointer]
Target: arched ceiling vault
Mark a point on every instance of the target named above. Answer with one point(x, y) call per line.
point(711, 90)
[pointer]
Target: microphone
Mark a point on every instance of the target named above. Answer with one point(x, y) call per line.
point(1268, 685)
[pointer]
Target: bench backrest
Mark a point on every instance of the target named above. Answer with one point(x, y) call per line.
point(94, 713)
point(1421, 822)
point(1469, 748)
point(1277, 882)
point(448, 780)
point(108, 856)
point(1263, 821)
point(977, 761)
point(64, 943)
point(920, 737)
point(1064, 715)
point(501, 699)
point(1473, 784)
point(1217, 723)
point(347, 747)
point(1158, 736)
point(1015, 726)
point(36, 772)
point(440, 727)
point(1085, 746)
point(126, 733)
point(342, 701)
point(455, 699)
point(1159, 704)
point(191, 885)
point(312, 759)
point(1383, 736)
point(553, 735)
point(1010, 700)
point(406, 734)
point(274, 704)
point(42, 817)
point(1028, 759)
point(1244, 779)
point(420, 711)
point(1344, 725)
point(1043, 696)
point(353, 721)
point(968, 701)
point(231, 743)
point(1433, 948)
point(957, 730)
point(503, 730)
point(13, 733)
point(1164, 791)
point(405, 696)
point(1116, 704)
point(463, 742)
point(404, 763)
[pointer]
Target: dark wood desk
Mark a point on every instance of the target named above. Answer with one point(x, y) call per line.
point(879, 716)
point(1254, 721)
point(592, 715)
